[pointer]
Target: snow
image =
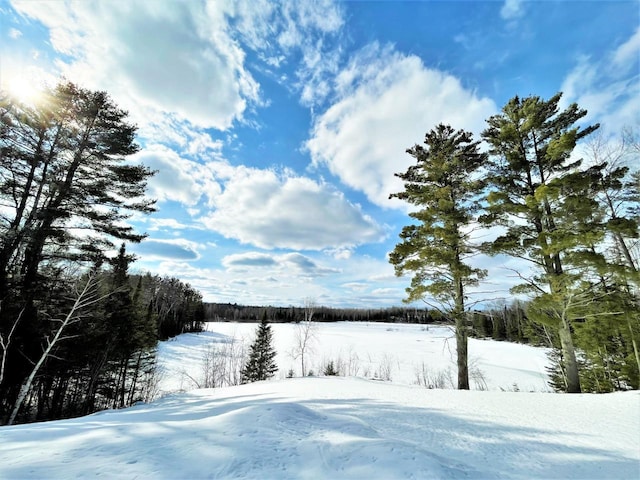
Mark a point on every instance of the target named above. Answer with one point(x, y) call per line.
point(364, 347)
point(342, 427)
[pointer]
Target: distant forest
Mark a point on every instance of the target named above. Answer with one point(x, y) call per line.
point(504, 322)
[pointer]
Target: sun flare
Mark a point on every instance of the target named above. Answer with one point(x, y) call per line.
point(26, 90)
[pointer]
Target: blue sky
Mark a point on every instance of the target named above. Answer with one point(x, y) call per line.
point(276, 127)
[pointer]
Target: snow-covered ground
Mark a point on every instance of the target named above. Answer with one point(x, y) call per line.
point(371, 350)
point(335, 427)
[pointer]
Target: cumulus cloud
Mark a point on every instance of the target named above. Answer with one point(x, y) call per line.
point(176, 179)
point(251, 259)
point(291, 264)
point(609, 88)
point(137, 49)
point(306, 266)
point(280, 210)
point(178, 249)
point(386, 101)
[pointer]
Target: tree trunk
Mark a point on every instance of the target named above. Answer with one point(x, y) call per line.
point(635, 345)
point(461, 339)
point(569, 357)
point(462, 350)
point(625, 251)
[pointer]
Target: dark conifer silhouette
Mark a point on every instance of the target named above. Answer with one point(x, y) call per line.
point(261, 363)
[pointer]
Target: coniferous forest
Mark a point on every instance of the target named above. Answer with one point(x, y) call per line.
point(78, 330)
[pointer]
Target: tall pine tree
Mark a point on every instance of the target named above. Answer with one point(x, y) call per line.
point(445, 187)
point(544, 201)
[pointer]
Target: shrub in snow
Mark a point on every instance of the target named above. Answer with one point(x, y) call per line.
point(330, 369)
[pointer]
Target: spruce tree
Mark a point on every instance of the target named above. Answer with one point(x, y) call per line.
point(445, 187)
point(261, 364)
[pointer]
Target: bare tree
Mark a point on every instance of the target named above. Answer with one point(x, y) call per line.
point(222, 363)
point(85, 298)
point(305, 335)
point(5, 342)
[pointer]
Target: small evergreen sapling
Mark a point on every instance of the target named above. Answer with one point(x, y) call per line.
point(261, 363)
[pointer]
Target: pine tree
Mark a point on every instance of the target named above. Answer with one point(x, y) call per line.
point(444, 186)
point(547, 205)
point(261, 363)
point(62, 165)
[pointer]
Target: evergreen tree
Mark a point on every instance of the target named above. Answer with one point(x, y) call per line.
point(63, 161)
point(261, 363)
point(546, 204)
point(62, 164)
point(444, 186)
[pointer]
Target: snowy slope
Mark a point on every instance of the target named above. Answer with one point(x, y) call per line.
point(342, 428)
point(315, 428)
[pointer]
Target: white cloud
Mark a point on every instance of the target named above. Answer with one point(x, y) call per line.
point(284, 265)
point(386, 102)
point(136, 50)
point(176, 179)
point(512, 9)
point(14, 33)
point(176, 249)
point(285, 31)
point(356, 286)
point(626, 55)
point(165, 224)
point(250, 259)
point(608, 88)
point(280, 210)
point(306, 266)
point(342, 253)
point(274, 278)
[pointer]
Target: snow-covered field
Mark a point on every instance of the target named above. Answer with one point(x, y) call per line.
point(335, 427)
point(371, 350)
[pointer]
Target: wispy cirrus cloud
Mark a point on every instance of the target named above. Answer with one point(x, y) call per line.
point(512, 10)
point(14, 33)
point(609, 87)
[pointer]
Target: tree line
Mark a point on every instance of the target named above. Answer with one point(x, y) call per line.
point(215, 312)
point(573, 221)
point(77, 330)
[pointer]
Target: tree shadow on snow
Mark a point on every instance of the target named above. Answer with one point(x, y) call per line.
point(196, 435)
